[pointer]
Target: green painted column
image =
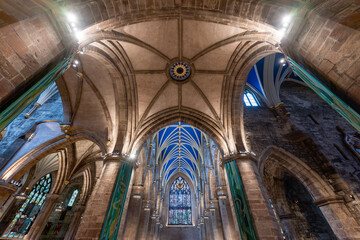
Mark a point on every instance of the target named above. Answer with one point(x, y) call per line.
point(243, 216)
point(111, 225)
point(15, 108)
point(336, 103)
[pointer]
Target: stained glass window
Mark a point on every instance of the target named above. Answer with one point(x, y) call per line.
point(250, 100)
point(73, 198)
point(180, 203)
point(26, 215)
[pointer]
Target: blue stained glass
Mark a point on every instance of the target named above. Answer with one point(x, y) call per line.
point(180, 203)
point(250, 100)
point(73, 198)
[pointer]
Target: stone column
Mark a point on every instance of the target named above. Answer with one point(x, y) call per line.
point(202, 228)
point(250, 198)
point(42, 218)
point(228, 225)
point(134, 211)
point(96, 208)
point(152, 225)
point(6, 192)
point(75, 222)
point(215, 219)
point(157, 229)
point(339, 218)
point(207, 224)
point(144, 221)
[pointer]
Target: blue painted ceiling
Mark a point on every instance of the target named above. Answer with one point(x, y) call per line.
point(179, 150)
point(267, 75)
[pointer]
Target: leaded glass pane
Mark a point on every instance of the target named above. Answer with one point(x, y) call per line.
point(180, 203)
point(250, 100)
point(26, 215)
point(73, 198)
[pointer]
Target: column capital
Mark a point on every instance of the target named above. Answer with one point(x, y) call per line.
point(329, 200)
point(147, 204)
point(137, 191)
point(117, 157)
point(221, 192)
point(241, 156)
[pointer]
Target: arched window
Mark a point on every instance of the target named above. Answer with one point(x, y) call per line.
point(250, 100)
point(26, 215)
point(180, 203)
point(73, 198)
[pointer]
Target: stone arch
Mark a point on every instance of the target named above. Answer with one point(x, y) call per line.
point(315, 184)
point(188, 116)
point(234, 103)
point(23, 164)
point(118, 77)
point(332, 206)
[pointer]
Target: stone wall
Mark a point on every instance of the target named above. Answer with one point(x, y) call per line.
point(310, 134)
point(328, 43)
point(314, 118)
point(26, 47)
point(311, 222)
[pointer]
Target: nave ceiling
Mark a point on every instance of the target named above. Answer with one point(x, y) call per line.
point(122, 83)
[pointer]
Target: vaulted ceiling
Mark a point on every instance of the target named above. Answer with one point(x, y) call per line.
point(121, 86)
point(179, 150)
point(123, 74)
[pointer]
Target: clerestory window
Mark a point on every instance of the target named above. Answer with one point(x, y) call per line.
point(250, 99)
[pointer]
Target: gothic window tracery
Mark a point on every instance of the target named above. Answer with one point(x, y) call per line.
point(180, 203)
point(26, 215)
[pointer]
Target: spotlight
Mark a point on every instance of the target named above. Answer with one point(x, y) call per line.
point(81, 51)
point(284, 64)
point(286, 20)
point(132, 156)
point(74, 65)
point(281, 32)
point(282, 60)
point(79, 36)
point(76, 62)
point(71, 17)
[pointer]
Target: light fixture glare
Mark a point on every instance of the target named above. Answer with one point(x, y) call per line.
point(71, 17)
point(79, 36)
point(286, 19)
